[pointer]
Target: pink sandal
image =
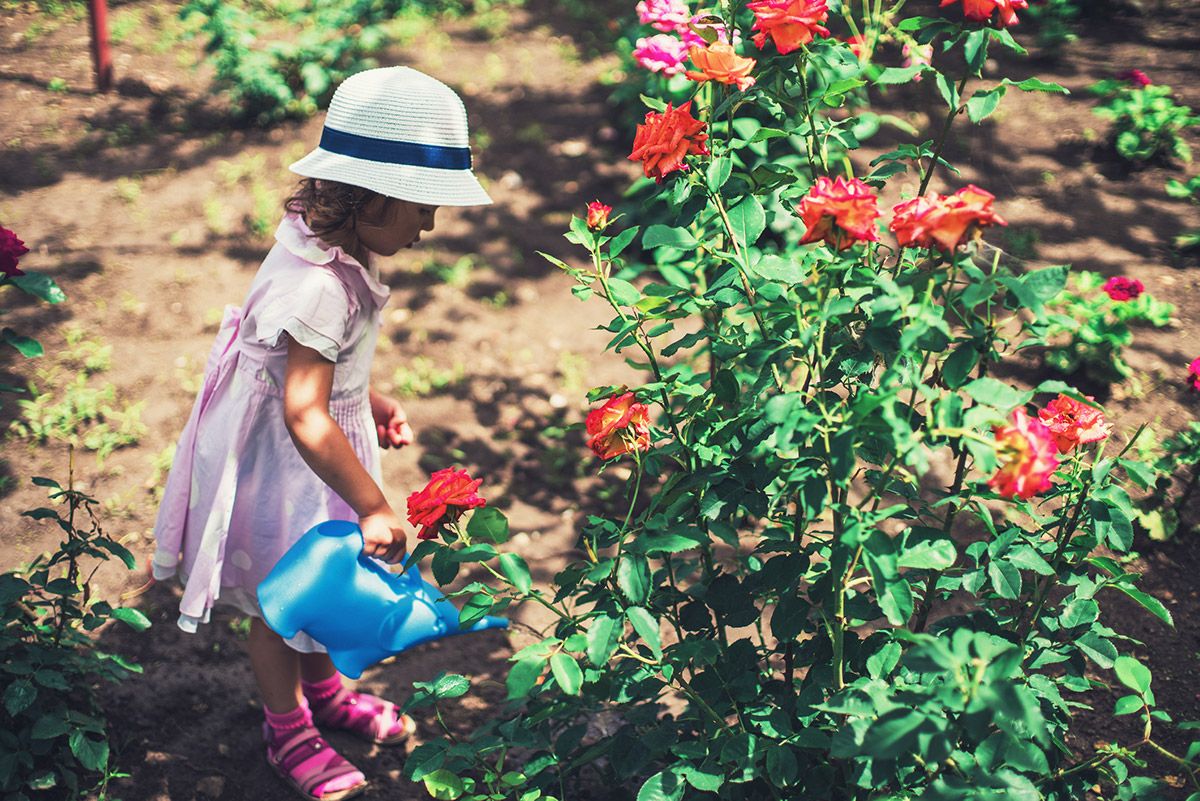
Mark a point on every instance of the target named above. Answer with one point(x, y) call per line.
point(371, 718)
point(308, 763)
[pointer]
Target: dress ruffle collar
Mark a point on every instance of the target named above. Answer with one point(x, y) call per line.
point(295, 235)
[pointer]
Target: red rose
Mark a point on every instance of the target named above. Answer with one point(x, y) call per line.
point(840, 212)
point(662, 141)
point(597, 215)
point(1194, 375)
point(1025, 449)
point(791, 24)
point(11, 251)
point(1121, 288)
point(1136, 77)
point(618, 427)
point(1073, 423)
point(448, 494)
point(982, 10)
point(943, 221)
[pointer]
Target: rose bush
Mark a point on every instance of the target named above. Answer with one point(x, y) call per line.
point(853, 563)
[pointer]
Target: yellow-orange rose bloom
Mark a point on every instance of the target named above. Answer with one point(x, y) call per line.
point(720, 62)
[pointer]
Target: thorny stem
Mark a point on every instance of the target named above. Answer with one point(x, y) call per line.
point(938, 146)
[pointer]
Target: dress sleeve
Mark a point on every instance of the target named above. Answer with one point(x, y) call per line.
point(316, 312)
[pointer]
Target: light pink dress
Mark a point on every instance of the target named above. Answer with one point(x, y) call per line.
point(239, 494)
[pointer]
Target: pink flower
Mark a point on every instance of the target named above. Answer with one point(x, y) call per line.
point(1121, 288)
point(943, 221)
point(1194, 375)
point(661, 53)
point(1136, 77)
point(11, 251)
point(442, 501)
point(916, 55)
point(668, 16)
point(620, 426)
point(597, 215)
point(1073, 423)
point(1027, 459)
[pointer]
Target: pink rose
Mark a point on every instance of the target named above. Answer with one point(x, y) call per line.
point(1121, 288)
point(11, 251)
point(1194, 375)
point(1136, 77)
point(597, 215)
point(1073, 423)
point(839, 212)
point(668, 16)
point(1026, 452)
point(448, 494)
point(661, 53)
point(618, 427)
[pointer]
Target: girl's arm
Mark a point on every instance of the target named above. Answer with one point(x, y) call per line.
point(308, 383)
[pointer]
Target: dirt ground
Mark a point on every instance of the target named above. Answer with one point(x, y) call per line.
point(153, 215)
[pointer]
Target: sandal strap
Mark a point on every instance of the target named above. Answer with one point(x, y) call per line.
point(328, 708)
point(315, 780)
point(384, 719)
point(292, 743)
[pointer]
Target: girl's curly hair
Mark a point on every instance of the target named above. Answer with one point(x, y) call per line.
point(330, 208)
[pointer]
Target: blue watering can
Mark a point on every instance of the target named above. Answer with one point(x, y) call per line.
point(325, 587)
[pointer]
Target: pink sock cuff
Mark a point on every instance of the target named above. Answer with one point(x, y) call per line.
point(323, 688)
point(295, 719)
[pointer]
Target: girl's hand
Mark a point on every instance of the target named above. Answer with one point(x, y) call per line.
point(384, 536)
point(391, 423)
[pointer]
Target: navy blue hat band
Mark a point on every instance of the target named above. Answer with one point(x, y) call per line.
point(413, 154)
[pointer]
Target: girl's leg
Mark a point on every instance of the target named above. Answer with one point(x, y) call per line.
point(276, 667)
point(335, 705)
point(294, 748)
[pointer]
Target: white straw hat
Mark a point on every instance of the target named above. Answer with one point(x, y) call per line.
point(398, 132)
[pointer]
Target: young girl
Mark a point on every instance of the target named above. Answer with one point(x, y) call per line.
point(286, 431)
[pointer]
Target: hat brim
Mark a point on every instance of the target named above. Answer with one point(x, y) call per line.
point(435, 187)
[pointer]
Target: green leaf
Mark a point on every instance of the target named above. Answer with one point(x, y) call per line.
point(657, 236)
point(621, 241)
point(646, 627)
point(39, 285)
point(1128, 704)
point(982, 104)
point(1132, 673)
point(1038, 85)
point(567, 673)
point(996, 393)
point(515, 570)
point(49, 726)
point(778, 268)
point(92, 754)
point(1097, 648)
point(444, 566)
point(1112, 526)
point(929, 555)
point(475, 552)
point(443, 785)
point(896, 75)
point(488, 524)
point(747, 219)
point(959, 364)
point(29, 348)
point(474, 610)
point(18, 696)
point(523, 676)
point(1006, 579)
point(451, 685)
point(132, 618)
point(1035, 289)
point(602, 638)
point(633, 577)
point(662, 786)
point(718, 172)
point(622, 292)
point(1148, 602)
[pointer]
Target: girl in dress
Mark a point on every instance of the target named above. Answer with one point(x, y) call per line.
point(286, 430)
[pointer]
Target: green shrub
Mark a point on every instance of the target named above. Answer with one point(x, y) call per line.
point(1147, 122)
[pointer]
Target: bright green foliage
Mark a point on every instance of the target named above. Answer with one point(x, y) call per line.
point(53, 734)
point(1186, 190)
point(284, 59)
point(1087, 331)
point(814, 592)
point(1055, 21)
point(1180, 458)
point(1147, 122)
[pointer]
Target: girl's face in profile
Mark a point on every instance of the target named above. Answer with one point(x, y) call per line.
point(386, 224)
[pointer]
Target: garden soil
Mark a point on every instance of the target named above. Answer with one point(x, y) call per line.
point(153, 213)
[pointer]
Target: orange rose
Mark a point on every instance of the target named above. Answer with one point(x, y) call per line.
point(1073, 423)
point(719, 62)
point(662, 141)
point(944, 221)
point(448, 494)
point(982, 10)
point(840, 212)
point(791, 24)
point(1025, 449)
point(618, 427)
point(597, 215)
